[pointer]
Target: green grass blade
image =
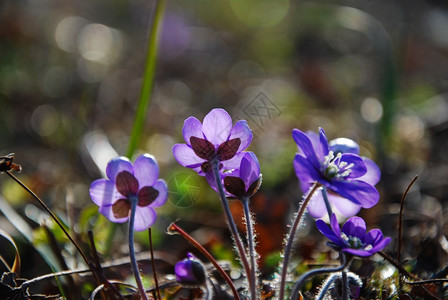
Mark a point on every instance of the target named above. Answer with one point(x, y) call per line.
point(148, 79)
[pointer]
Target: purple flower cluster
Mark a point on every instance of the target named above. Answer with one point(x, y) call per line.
point(215, 149)
point(348, 178)
point(352, 238)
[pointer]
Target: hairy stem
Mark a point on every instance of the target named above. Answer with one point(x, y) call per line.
point(231, 223)
point(345, 287)
point(326, 286)
point(299, 283)
point(291, 237)
point(327, 203)
point(134, 263)
point(252, 253)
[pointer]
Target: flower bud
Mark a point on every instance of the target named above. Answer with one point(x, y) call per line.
point(190, 271)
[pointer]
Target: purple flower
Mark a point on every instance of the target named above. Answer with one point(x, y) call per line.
point(349, 179)
point(353, 238)
point(243, 181)
point(214, 140)
point(126, 183)
point(190, 271)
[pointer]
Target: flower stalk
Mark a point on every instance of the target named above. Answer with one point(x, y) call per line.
point(134, 263)
point(252, 253)
point(301, 281)
point(327, 202)
point(231, 223)
point(291, 237)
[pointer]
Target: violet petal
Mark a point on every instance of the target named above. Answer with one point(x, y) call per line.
point(305, 145)
point(357, 191)
point(103, 192)
point(144, 218)
point(242, 131)
point(192, 127)
point(118, 164)
point(146, 170)
point(373, 174)
point(162, 188)
point(216, 126)
point(186, 156)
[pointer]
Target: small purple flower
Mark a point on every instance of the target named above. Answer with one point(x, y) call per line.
point(126, 183)
point(353, 238)
point(213, 140)
point(349, 179)
point(190, 271)
point(243, 181)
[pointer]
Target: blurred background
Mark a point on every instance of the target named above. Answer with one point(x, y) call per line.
point(372, 71)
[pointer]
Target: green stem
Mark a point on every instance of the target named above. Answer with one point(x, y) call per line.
point(291, 237)
point(134, 263)
point(250, 238)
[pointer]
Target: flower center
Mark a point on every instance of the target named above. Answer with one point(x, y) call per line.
point(334, 168)
point(355, 242)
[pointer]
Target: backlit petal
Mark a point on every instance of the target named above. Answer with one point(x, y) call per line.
point(192, 127)
point(162, 188)
point(118, 164)
point(249, 169)
point(242, 131)
point(344, 206)
point(103, 192)
point(316, 207)
point(146, 170)
point(186, 156)
point(373, 174)
point(144, 218)
point(216, 126)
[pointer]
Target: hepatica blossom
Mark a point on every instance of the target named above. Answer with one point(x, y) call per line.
point(348, 178)
point(126, 182)
point(243, 181)
point(215, 140)
point(353, 238)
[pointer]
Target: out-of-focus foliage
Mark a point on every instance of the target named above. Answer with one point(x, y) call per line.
point(70, 75)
